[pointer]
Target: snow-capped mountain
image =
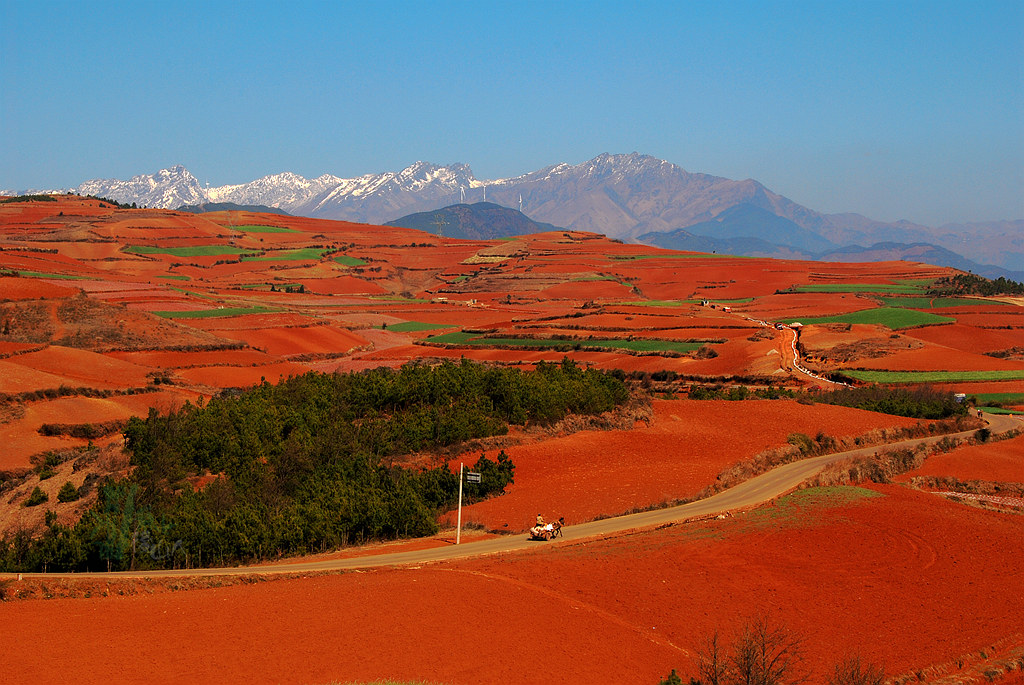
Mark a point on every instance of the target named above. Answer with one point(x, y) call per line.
point(172, 187)
point(621, 195)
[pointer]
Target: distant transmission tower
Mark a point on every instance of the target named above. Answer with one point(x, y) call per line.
point(463, 192)
point(440, 222)
point(520, 203)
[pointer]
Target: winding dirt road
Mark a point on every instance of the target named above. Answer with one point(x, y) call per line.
point(750, 493)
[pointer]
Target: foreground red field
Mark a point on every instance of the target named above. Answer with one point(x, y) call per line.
point(622, 610)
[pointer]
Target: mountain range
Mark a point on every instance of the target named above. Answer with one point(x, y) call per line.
point(624, 196)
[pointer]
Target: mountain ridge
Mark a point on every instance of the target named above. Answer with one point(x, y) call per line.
point(621, 195)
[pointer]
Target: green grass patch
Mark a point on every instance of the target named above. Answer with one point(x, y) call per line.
point(587, 279)
point(460, 279)
point(345, 260)
point(172, 277)
point(267, 286)
point(890, 317)
point(1000, 397)
point(872, 376)
point(42, 274)
point(1003, 410)
point(937, 302)
point(800, 503)
point(412, 326)
point(647, 345)
point(216, 313)
point(259, 228)
point(904, 288)
point(299, 255)
point(190, 251)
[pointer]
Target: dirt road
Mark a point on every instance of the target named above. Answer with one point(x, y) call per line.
point(753, 492)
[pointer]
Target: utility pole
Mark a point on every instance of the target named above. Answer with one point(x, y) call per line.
point(440, 222)
point(458, 529)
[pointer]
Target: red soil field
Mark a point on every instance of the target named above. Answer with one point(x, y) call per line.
point(969, 338)
point(177, 360)
point(15, 378)
point(626, 609)
point(11, 348)
point(1001, 461)
point(81, 367)
point(587, 290)
point(295, 340)
point(240, 376)
point(688, 443)
point(806, 305)
point(992, 320)
point(341, 285)
point(21, 288)
point(251, 322)
point(21, 438)
point(937, 358)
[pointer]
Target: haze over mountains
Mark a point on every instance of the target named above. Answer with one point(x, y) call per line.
point(626, 196)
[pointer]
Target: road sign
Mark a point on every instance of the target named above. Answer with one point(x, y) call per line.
point(472, 477)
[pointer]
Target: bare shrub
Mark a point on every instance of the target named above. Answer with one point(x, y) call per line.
point(852, 671)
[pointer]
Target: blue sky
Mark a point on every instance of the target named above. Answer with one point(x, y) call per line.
point(911, 110)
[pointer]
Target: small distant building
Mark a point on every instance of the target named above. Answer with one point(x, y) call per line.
point(959, 397)
point(726, 309)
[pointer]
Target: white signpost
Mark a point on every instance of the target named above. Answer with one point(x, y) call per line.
point(471, 477)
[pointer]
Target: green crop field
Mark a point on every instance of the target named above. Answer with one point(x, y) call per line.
point(191, 251)
point(267, 286)
point(1000, 410)
point(301, 254)
point(649, 345)
point(873, 376)
point(412, 326)
point(40, 274)
point(172, 277)
point(214, 313)
point(259, 228)
point(1001, 397)
point(905, 288)
point(937, 302)
point(890, 317)
point(345, 260)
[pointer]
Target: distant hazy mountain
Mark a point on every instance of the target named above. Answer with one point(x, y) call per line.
point(623, 196)
point(229, 207)
point(683, 239)
point(917, 252)
point(478, 221)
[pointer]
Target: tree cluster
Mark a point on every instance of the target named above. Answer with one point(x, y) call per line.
point(306, 465)
point(970, 284)
point(922, 402)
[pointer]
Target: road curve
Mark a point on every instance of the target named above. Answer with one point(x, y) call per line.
point(750, 493)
